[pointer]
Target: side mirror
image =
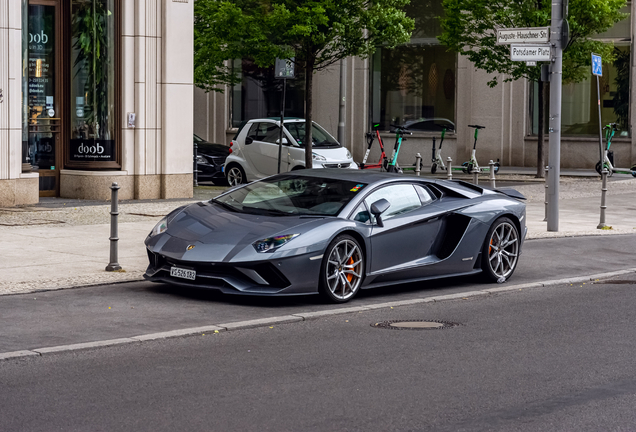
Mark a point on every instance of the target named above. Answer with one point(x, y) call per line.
point(379, 207)
point(249, 140)
point(285, 142)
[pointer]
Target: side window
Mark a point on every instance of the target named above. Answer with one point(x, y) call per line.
point(402, 197)
point(253, 132)
point(361, 214)
point(426, 196)
point(271, 133)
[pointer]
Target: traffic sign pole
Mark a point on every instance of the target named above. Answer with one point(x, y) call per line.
point(597, 69)
point(556, 79)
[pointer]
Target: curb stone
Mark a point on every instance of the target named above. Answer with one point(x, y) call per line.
point(303, 316)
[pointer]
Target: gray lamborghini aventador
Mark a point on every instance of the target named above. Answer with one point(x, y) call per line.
point(337, 231)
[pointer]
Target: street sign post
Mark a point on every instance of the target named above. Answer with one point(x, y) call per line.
point(597, 70)
point(554, 126)
point(533, 35)
point(528, 53)
point(283, 69)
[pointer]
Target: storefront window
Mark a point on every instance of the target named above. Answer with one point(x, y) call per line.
point(579, 110)
point(41, 99)
point(93, 119)
point(259, 94)
point(414, 84)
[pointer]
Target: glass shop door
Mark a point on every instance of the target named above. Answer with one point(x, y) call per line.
point(43, 96)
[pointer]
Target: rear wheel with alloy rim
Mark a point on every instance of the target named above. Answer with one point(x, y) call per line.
point(235, 175)
point(500, 252)
point(342, 269)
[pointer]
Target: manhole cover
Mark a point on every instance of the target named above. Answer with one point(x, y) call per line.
point(415, 325)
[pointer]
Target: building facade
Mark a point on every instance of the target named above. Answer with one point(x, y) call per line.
point(422, 81)
point(94, 92)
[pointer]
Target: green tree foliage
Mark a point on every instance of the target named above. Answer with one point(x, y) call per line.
point(317, 33)
point(469, 28)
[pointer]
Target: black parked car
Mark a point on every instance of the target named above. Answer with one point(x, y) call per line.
point(210, 160)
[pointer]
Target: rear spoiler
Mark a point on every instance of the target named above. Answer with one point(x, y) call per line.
point(512, 193)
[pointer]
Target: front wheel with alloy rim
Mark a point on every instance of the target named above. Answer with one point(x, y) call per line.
point(235, 175)
point(342, 269)
point(500, 252)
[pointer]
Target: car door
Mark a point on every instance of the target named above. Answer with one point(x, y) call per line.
point(262, 152)
point(402, 247)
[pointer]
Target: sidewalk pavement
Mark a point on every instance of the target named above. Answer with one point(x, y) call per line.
point(62, 243)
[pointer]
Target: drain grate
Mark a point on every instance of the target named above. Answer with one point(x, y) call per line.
point(415, 325)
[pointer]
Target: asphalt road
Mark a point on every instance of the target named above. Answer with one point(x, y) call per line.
point(556, 358)
point(54, 318)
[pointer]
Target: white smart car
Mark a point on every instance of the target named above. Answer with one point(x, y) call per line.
point(254, 150)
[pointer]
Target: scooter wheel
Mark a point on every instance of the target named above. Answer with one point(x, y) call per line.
point(598, 168)
point(496, 167)
point(467, 167)
point(433, 168)
point(633, 170)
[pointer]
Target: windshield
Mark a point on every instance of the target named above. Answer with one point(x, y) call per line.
point(319, 136)
point(291, 195)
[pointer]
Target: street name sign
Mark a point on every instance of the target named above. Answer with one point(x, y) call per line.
point(529, 53)
point(597, 65)
point(533, 35)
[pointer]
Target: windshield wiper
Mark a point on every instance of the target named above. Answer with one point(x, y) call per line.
point(225, 205)
point(268, 210)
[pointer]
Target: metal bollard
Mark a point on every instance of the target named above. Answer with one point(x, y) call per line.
point(418, 162)
point(450, 168)
point(195, 168)
point(114, 212)
point(492, 174)
point(545, 217)
point(475, 176)
point(602, 224)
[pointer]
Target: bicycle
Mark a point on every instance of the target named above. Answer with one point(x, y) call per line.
point(608, 156)
point(370, 138)
point(472, 165)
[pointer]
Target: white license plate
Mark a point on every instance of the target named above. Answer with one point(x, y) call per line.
point(183, 273)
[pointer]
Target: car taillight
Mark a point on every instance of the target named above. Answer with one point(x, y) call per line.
point(230, 151)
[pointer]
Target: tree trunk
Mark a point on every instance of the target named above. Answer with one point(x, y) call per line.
point(543, 104)
point(309, 78)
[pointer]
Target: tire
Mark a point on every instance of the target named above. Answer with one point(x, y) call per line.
point(504, 258)
point(342, 270)
point(467, 168)
point(433, 168)
point(598, 168)
point(496, 167)
point(235, 175)
point(633, 170)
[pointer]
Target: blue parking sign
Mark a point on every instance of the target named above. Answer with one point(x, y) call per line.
point(597, 65)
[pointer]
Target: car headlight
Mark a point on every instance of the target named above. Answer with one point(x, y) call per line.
point(160, 228)
point(272, 243)
point(318, 157)
point(349, 155)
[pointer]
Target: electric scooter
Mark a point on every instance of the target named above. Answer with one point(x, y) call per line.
point(437, 155)
point(472, 166)
point(608, 156)
point(391, 165)
point(370, 138)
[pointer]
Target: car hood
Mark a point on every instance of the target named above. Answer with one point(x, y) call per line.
point(220, 235)
point(332, 154)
